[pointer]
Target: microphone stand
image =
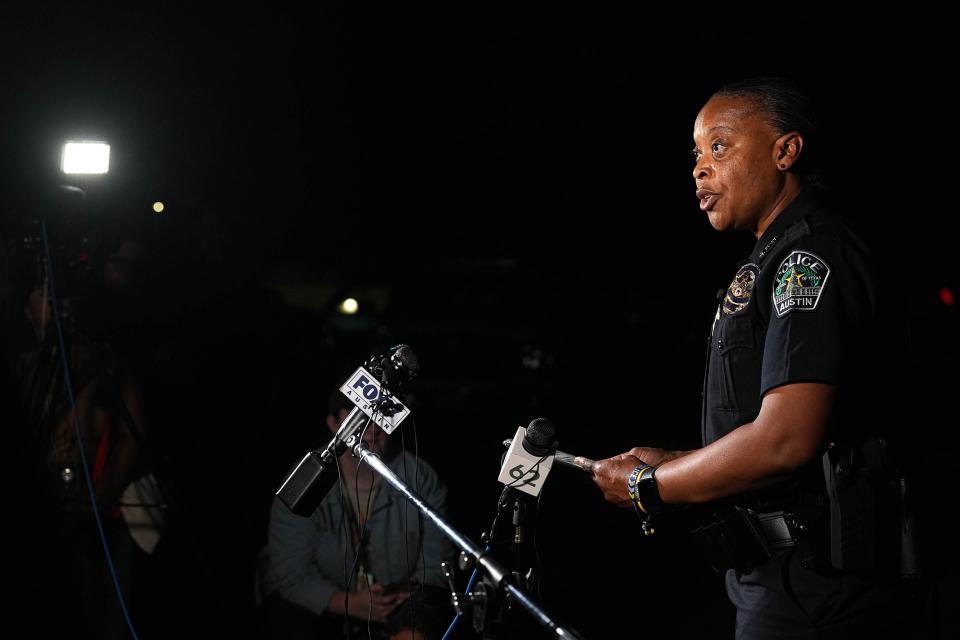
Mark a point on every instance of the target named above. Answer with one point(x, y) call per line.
point(311, 480)
point(513, 525)
point(496, 574)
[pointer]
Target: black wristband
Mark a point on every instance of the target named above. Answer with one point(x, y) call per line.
point(647, 493)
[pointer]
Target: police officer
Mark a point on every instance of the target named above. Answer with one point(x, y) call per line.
point(787, 393)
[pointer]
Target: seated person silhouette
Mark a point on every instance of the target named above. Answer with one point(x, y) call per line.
point(366, 557)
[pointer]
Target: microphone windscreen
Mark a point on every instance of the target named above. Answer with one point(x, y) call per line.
point(406, 358)
point(541, 434)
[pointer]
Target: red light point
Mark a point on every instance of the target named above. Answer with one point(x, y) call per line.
point(947, 297)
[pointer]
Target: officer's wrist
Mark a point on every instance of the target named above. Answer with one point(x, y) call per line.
point(648, 493)
point(643, 491)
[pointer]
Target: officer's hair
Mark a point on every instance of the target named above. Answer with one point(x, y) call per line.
point(787, 108)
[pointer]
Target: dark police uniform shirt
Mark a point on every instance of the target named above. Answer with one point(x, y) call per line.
point(804, 307)
point(801, 308)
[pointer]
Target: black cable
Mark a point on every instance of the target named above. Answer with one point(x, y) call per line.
point(376, 410)
point(384, 395)
point(406, 506)
point(536, 549)
point(406, 536)
point(349, 579)
point(366, 517)
point(76, 427)
point(346, 537)
point(170, 499)
point(533, 469)
point(420, 520)
point(362, 545)
point(356, 557)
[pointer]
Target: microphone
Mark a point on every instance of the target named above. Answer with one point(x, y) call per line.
point(399, 366)
point(523, 470)
point(529, 457)
point(568, 460)
point(306, 486)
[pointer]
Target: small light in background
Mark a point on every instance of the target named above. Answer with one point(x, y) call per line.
point(534, 358)
point(947, 297)
point(158, 207)
point(349, 306)
point(85, 158)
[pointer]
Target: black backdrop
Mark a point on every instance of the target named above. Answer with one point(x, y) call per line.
point(507, 189)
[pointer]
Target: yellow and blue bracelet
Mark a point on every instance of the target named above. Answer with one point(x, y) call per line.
point(632, 489)
point(644, 513)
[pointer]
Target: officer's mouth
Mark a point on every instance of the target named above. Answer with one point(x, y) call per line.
point(707, 199)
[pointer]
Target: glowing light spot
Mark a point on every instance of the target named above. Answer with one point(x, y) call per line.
point(86, 158)
point(349, 306)
point(158, 207)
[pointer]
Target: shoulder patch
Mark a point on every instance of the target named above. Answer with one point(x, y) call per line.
point(799, 283)
point(741, 289)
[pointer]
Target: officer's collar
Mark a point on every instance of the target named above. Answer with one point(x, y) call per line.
point(805, 202)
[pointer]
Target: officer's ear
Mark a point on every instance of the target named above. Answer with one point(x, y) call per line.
point(787, 150)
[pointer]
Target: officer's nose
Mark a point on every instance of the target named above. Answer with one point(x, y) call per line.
point(701, 170)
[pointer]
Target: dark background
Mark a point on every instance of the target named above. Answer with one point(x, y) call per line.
point(505, 188)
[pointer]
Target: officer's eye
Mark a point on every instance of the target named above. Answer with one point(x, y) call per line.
point(718, 148)
point(696, 154)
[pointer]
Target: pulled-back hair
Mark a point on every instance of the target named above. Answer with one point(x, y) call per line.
point(786, 108)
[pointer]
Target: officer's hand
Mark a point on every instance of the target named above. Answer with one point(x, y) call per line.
point(611, 475)
point(655, 457)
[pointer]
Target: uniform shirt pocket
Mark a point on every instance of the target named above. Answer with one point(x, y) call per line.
point(736, 364)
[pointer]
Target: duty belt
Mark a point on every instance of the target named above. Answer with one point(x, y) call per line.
point(743, 538)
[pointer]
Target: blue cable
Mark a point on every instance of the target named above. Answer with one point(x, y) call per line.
point(76, 426)
point(456, 620)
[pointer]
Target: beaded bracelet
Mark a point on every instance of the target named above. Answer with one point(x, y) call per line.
point(640, 472)
point(632, 488)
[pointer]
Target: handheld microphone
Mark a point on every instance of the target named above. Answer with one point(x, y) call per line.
point(530, 457)
point(568, 460)
point(523, 470)
point(306, 486)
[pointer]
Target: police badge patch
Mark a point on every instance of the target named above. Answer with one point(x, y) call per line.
point(740, 290)
point(799, 283)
